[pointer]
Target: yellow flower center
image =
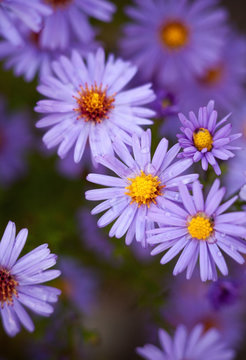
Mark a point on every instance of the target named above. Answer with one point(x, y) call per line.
point(93, 103)
point(144, 189)
point(7, 287)
point(58, 3)
point(200, 227)
point(174, 35)
point(203, 139)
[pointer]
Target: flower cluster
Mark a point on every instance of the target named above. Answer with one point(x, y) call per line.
point(178, 61)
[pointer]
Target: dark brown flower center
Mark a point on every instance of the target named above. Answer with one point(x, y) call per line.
point(8, 287)
point(58, 3)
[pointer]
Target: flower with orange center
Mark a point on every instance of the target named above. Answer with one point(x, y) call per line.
point(8, 287)
point(200, 226)
point(93, 103)
point(144, 189)
point(212, 76)
point(203, 139)
point(174, 35)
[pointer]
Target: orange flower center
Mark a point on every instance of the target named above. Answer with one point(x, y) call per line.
point(212, 76)
point(174, 35)
point(58, 3)
point(93, 103)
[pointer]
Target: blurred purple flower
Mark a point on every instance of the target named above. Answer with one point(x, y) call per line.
point(78, 283)
point(192, 302)
point(165, 103)
point(31, 58)
point(15, 140)
point(222, 81)
point(172, 40)
point(31, 13)
point(140, 183)
point(69, 20)
point(199, 228)
point(87, 103)
point(194, 345)
point(204, 139)
point(20, 281)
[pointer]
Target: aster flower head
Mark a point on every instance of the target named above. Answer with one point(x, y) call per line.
point(31, 13)
point(20, 281)
point(165, 103)
point(87, 102)
point(177, 38)
point(188, 345)
point(205, 139)
point(69, 21)
point(140, 184)
point(224, 292)
point(199, 228)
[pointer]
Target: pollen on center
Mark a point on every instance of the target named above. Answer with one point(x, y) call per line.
point(93, 103)
point(8, 286)
point(203, 139)
point(200, 227)
point(144, 189)
point(174, 34)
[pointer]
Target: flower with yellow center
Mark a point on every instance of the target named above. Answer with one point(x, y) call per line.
point(174, 35)
point(144, 189)
point(7, 287)
point(200, 227)
point(93, 103)
point(203, 139)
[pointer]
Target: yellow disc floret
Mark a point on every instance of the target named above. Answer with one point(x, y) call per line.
point(200, 227)
point(144, 189)
point(93, 103)
point(174, 35)
point(8, 286)
point(202, 139)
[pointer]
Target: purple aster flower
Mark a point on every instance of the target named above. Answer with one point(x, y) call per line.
point(165, 103)
point(141, 182)
point(204, 139)
point(194, 345)
point(69, 20)
point(171, 40)
point(192, 302)
point(87, 102)
point(222, 81)
point(31, 13)
point(31, 58)
point(20, 281)
point(199, 228)
point(15, 140)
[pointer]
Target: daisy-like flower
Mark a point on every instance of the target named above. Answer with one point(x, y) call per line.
point(88, 102)
point(31, 13)
point(69, 20)
point(141, 182)
point(194, 345)
point(204, 139)
point(31, 58)
point(20, 281)
point(173, 39)
point(199, 228)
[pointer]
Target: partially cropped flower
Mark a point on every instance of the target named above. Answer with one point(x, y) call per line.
point(172, 40)
point(20, 281)
point(193, 346)
point(224, 292)
point(69, 20)
point(31, 58)
point(165, 103)
point(31, 13)
point(15, 140)
point(204, 139)
point(224, 81)
point(87, 102)
point(141, 182)
point(201, 229)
